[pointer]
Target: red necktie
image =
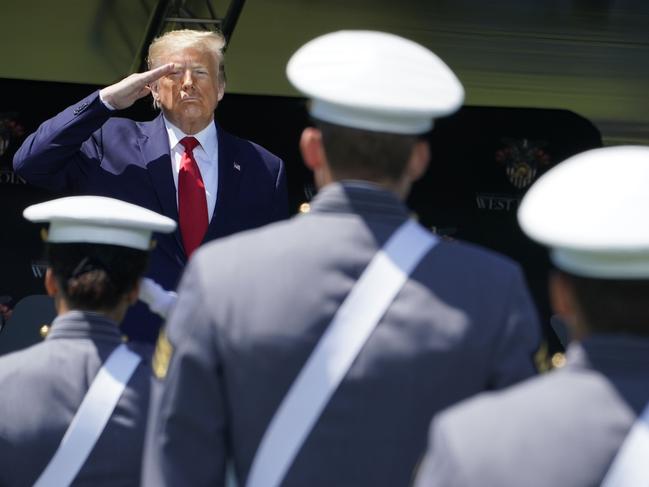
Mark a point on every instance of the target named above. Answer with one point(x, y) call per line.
point(192, 204)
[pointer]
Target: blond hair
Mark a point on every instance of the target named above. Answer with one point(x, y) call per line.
point(177, 40)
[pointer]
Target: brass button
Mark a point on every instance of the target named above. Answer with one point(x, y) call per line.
point(304, 208)
point(558, 360)
point(124, 338)
point(44, 330)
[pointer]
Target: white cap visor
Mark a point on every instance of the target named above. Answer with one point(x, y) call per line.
point(591, 210)
point(374, 81)
point(101, 220)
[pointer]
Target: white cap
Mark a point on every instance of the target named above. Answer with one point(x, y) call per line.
point(97, 219)
point(374, 81)
point(592, 210)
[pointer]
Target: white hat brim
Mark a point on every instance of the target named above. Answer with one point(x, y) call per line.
point(97, 219)
point(591, 210)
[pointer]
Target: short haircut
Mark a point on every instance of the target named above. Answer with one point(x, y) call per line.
point(177, 40)
point(363, 154)
point(94, 277)
point(613, 305)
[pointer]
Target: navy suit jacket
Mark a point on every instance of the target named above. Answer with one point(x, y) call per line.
point(85, 149)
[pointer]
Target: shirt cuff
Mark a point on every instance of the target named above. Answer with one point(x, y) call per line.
point(106, 104)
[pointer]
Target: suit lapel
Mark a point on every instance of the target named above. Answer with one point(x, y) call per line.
point(230, 169)
point(154, 146)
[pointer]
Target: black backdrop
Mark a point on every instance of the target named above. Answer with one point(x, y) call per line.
point(483, 160)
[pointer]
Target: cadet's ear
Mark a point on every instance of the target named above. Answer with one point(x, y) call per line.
point(51, 287)
point(561, 295)
point(565, 304)
point(315, 157)
point(311, 148)
point(419, 160)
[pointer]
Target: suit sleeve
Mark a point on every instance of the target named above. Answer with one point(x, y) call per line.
point(60, 154)
point(185, 441)
point(519, 337)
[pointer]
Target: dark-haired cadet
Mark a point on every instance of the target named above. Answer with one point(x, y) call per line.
point(587, 423)
point(73, 408)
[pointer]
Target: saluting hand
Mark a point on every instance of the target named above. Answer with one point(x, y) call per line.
point(126, 92)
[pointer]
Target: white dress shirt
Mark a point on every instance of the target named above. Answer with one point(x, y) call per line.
point(206, 155)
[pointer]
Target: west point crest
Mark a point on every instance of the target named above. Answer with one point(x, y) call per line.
point(522, 161)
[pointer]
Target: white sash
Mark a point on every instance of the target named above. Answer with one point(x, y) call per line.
point(90, 419)
point(631, 464)
point(333, 355)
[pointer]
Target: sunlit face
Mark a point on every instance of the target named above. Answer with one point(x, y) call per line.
point(188, 96)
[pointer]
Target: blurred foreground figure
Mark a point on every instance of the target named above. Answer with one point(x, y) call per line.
point(74, 407)
point(566, 427)
point(271, 359)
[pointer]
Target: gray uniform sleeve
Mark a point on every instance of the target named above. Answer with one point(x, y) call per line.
point(185, 443)
point(439, 467)
point(519, 338)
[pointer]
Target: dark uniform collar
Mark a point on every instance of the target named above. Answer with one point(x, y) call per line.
point(359, 197)
point(84, 324)
point(611, 353)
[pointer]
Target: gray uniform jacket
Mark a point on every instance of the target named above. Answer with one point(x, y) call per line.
point(253, 306)
point(41, 389)
point(563, 428)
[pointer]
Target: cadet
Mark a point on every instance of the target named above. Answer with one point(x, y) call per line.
point(73, 407)
point(566, 427)
point(320, 360)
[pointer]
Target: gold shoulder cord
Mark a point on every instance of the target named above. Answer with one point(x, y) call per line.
point(162, 355)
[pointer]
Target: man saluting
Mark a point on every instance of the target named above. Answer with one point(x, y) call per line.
point(181, 164)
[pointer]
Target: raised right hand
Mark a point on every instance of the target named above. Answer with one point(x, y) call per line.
point(126, 92)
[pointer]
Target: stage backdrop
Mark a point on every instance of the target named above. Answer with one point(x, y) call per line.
point(483, 161)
